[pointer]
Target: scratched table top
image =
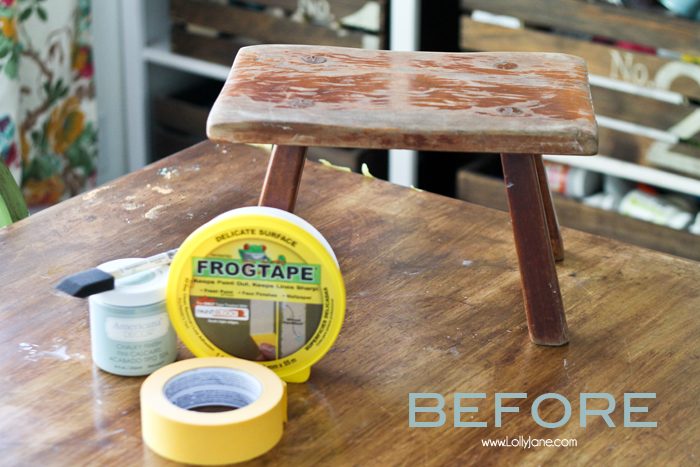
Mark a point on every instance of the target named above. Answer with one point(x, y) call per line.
point(303, 95)
point(434, 305)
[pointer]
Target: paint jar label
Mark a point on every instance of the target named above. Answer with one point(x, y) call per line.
point(137, 329)
point(129, 345)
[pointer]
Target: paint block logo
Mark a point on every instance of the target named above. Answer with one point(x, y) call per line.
point(207, 309)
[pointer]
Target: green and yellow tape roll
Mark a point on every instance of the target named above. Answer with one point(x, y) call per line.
point(260, 284)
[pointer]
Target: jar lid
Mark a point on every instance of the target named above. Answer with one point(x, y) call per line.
point(260, 284)
point(141, 289)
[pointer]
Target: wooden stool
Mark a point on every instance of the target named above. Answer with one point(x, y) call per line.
point(521, 105)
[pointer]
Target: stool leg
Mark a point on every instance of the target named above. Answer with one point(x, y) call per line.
point(550, 213)
point(283, 177)
point(543, 302)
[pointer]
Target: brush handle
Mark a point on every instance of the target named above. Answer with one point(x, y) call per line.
point(153, 262)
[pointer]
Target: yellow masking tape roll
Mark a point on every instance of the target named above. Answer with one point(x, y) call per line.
point(176, 424)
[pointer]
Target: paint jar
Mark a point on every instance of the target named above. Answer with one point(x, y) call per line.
point(130, 330)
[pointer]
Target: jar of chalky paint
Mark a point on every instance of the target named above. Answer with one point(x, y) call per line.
point(130, 330)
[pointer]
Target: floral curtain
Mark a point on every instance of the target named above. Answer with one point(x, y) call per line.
point(48, 131)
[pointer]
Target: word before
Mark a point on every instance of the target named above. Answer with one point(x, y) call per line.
point(500, 408)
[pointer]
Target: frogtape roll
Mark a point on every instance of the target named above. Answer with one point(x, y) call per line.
point(173, 429)
point(261, 284)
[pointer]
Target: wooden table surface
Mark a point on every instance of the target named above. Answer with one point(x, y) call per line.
point(434, 306)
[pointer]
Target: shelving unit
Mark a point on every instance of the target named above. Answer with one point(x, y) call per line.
point(151, 69)
point(646, 97)
point(647, 104)
point(489, 191)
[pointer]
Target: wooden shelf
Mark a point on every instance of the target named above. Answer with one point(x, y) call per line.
point(159, 53)
point(632, 171)
point(489, 191)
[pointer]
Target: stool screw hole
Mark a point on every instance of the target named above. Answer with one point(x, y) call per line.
point(299, 103)
point(314, 59)
point(506, 65)
point(509, 110)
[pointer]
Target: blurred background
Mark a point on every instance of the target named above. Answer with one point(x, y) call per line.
point(91, 90)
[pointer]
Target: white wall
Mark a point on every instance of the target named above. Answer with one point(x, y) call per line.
point(106, 32)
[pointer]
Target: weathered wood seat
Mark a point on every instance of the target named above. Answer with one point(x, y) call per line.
point(518, 104)
point(331, 96)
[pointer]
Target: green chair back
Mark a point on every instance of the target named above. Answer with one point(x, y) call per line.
point(12, 204)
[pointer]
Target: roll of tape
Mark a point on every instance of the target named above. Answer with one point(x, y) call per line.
point(181, 417)
point(260, 284)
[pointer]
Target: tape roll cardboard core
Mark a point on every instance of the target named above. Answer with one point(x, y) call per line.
point(203, 388)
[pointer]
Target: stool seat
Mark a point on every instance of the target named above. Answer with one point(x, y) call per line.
point(294, 95)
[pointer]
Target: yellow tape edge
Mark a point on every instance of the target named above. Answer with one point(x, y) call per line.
point(213, 438)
